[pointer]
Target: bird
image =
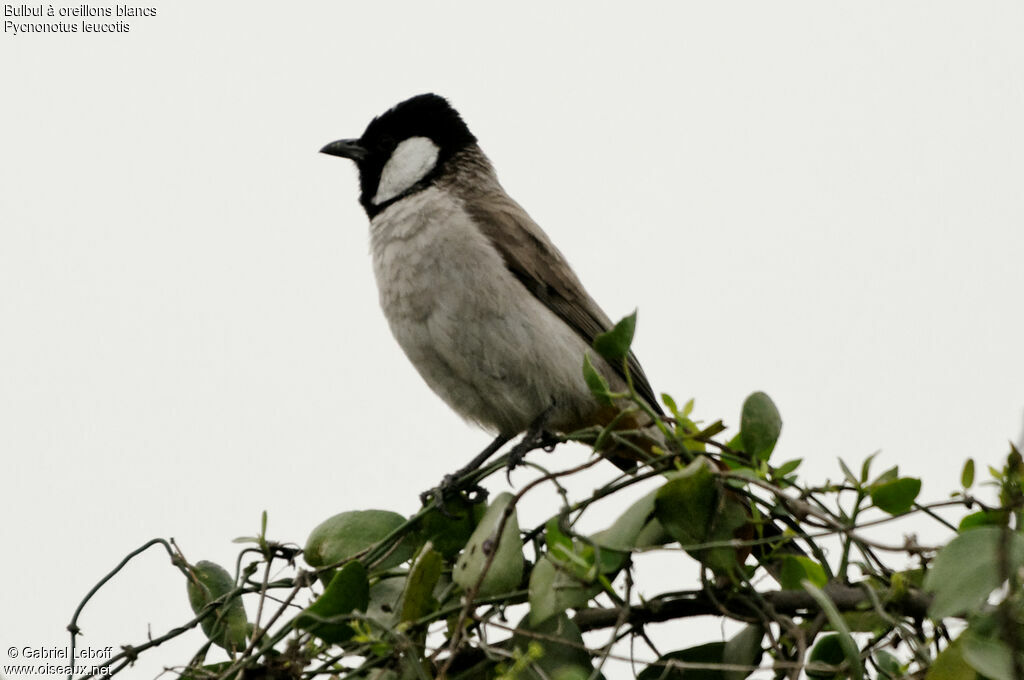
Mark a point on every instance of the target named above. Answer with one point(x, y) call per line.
point(481, 301)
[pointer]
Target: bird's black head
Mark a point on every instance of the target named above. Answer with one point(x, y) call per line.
point(404, 149)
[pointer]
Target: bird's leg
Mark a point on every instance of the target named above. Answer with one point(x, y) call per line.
point(451, 482)
point(536, 436)
point(480, 459)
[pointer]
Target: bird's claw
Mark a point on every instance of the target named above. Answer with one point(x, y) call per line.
point(536, 440)
point(449, 486)
point(548, 441)
point(516, 455)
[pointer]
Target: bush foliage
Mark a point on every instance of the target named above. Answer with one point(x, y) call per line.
point(798, 567)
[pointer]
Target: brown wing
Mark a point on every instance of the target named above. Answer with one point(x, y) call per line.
point(538, 265)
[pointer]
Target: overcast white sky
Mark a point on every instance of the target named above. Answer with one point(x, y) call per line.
point(820, 200)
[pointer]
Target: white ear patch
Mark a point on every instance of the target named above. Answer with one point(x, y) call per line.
point(409, 163)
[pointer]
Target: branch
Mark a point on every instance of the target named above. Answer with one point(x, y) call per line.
point(790, 602)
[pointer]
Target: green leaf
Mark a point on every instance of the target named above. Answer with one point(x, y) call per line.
point(544, 600)
point(967, 570)
point(601, 560)
point(950, 665)
point(902, 581)
point(614, 344)
point(760, 425)
point(990, 657)
point(652, 535)
point(866, 621)
point(827, 650)
point(688, 408)
point(506, 569)
point(709, 653)
point(227, 626)
point(967, 475)
point(796, 568)
point(596, 382)
point(448, 531)
point(693, 511)
point(743, 649)
point(846, 641)
point(685, 505)
point(553, 590)
point(562, 650)
point(347, 592)
point(896, 497)
point(418, 598)
point(347, 534)
point(983, 518)
point(888, 665)
point(624, 532)
point(848, 474)
point(385, 603)
point(558, 543)
point(890, 475)
point(865, 468)
point(788, 467)
point(735, 444)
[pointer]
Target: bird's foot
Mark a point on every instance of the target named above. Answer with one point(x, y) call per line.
point(548, 441)
point(539, 439)
point(448, 489)
point(450, 485)
point(516, 455)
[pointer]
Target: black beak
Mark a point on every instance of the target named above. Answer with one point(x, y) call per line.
point(346, 148)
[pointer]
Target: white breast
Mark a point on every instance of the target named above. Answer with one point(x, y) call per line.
point(488, 347)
